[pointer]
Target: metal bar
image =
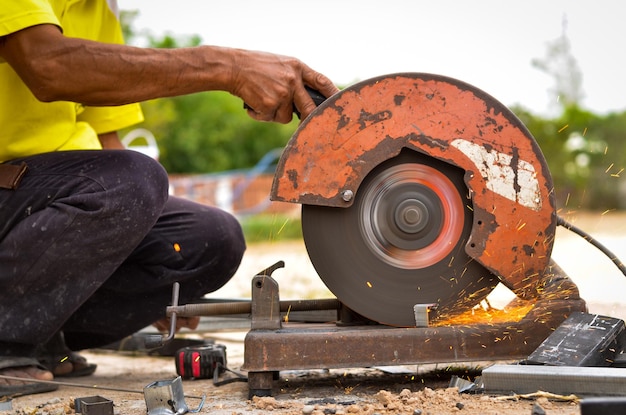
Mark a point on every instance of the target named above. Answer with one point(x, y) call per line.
point(520, 379)
point(245, 307)
point(81, 385)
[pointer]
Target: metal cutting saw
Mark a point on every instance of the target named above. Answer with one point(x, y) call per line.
point(419, 189)
point(420, 193)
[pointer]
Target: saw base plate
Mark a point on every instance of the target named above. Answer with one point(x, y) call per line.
point(273, 345)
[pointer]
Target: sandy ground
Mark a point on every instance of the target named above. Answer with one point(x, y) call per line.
point(354, 391)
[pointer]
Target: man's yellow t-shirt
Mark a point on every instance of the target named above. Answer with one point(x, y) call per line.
point(29, 126)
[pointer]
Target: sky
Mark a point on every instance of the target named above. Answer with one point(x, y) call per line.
point(487, 43)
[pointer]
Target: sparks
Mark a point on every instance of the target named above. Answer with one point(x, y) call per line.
point(282, 227)
point(563, 128)
point(369, 284)
point(609, 168)
point(287, 315)
point(176, 247)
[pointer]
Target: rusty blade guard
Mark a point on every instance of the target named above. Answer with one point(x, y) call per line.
point(510, 186)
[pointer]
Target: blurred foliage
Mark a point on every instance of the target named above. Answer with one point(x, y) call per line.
point(209, 132)
point(586, 155)
point(271, 228)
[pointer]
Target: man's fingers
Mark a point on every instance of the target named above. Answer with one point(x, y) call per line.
point(264, 116)
point(303, 102)
point(317, 82)
point(275, 98)
point(320, 83)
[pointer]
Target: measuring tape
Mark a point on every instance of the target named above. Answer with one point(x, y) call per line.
point(200, 362)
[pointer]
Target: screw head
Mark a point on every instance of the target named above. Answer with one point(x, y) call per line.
point(347, 195)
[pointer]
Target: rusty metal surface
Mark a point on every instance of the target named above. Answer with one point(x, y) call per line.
point(326, 346)
point(507, 176)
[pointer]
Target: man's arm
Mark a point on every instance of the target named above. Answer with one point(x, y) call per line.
point(111, 141)
point(59, 68)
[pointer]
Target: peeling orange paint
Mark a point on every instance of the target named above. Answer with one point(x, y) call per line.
point(372, 121)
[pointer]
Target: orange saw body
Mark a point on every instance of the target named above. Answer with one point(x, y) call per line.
point(509, 190)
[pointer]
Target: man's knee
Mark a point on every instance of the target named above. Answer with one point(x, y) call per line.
point(218, 237)
point(138, 183)
point(235, 237)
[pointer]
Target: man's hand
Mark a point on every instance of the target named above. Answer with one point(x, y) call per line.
point(271, 85)
point(163, 325)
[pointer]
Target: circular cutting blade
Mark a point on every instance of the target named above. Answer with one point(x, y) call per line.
point(401, 243)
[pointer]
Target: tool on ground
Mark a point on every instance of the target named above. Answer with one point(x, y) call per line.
point(416, 190)
point(200, 362)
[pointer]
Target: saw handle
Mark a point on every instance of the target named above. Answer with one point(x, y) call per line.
point(315, 95)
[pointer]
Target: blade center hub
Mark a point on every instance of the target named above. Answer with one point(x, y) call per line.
point(411, 216)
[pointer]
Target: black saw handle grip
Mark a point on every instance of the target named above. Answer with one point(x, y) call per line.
point(315, 95)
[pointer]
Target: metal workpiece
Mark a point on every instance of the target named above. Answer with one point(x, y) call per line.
point(421, 312)
point(245, 307)
point(93, 405)
point(166, 397)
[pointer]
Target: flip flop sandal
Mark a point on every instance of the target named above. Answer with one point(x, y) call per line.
point(12, 391)
point(79, 363)
point(55, 353)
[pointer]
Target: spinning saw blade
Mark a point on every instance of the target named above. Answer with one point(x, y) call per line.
point(400, 243)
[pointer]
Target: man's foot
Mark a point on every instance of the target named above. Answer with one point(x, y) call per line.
point(70, 364)
point(61, 361)
point(25, 372)
point(26, 369)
